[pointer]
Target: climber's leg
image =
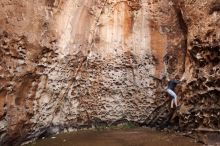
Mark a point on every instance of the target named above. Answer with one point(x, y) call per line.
point(171, 106)
point(174, 97)
point(175, 101)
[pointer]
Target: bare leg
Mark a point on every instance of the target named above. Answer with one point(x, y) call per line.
point(174, 96)
point(171, 103)
point(175, 99)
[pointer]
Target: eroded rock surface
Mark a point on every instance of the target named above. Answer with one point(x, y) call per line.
point(71, 64)
point(202, 89)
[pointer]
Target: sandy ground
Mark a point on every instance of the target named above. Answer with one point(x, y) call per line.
point(126, 137)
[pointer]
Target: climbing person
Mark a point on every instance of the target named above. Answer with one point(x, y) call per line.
point(171, 91)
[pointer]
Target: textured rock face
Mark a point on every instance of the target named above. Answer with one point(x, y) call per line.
point(68, 63)
point(201, 92)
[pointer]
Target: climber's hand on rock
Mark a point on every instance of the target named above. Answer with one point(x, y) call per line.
point(182, 79)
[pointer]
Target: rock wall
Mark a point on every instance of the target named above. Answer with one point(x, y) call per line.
point(71, 64)
point(202, 88)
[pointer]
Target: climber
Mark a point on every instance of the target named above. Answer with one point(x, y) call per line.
point(171, 91)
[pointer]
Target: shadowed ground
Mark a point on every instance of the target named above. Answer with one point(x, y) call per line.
point(127, 137)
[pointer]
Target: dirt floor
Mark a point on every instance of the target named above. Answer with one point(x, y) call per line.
point(125, 137)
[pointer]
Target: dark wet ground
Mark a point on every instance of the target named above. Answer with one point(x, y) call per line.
point(127, 137)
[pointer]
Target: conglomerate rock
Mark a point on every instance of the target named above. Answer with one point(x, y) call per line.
point(75, 63)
